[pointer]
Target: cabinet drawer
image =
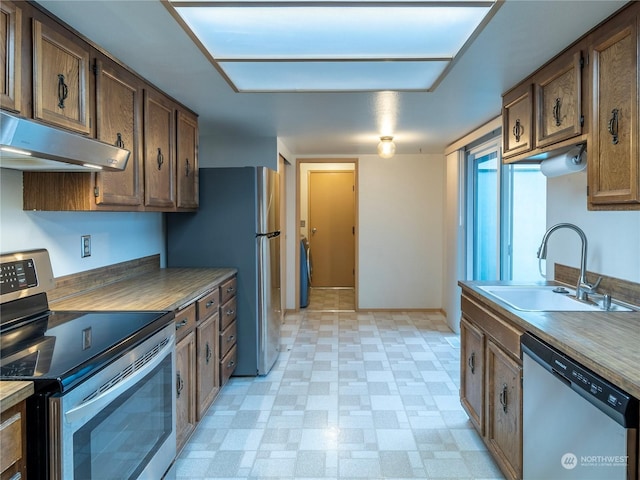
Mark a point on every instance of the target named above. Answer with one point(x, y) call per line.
point(506, 335)
point(227, 365)
point(185, 321)
point(227, 313)
point(228, 289)
point(11, 438)
point(227, 338)
point(208, 305)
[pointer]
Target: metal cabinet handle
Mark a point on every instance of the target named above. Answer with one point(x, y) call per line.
point(63, 91)
point(179, 384)
point(231, 338)
point(119, 143)
point(231, 364)
point(518, 130)
point(210, 303)
point(230, 312)
point(181, 323)
point(613, 126)
point(186, 167)
point(231, 290)
point(208, 354)
point(503, 397)
point(160, 158)
point(556, 112)
point(472, 362)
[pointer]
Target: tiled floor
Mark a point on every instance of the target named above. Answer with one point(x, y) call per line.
point(353, 395)
point(331, 300)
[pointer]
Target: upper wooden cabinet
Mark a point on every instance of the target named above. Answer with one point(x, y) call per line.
point(60, 78)
point(187, 159)
point(119, 122)
point(159, 153)
point(517, 121)
point(77, 86)
point(614, 152)
point(558, 92)
point(545, 109)
point(10, 56)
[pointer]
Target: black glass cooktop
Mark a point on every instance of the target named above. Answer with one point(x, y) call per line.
point(58, 349)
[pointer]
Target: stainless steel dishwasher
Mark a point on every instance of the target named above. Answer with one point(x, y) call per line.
point(575, 424)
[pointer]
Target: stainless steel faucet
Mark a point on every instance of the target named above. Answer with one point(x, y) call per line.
point(584, 287)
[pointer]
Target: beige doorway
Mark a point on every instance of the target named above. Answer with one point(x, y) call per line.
point(332, 227)
point(327, 201)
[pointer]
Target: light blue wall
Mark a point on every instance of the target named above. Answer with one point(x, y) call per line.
point(115, 237)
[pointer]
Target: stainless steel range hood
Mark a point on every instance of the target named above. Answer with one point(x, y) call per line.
point(28, 145)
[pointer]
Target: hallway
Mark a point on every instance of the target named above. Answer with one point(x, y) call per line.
point(371, 395)
point(331, 299)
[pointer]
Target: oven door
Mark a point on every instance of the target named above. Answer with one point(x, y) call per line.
point(120, 423)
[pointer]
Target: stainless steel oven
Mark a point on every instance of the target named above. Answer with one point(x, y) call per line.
point(105, 400)
point(119, 423)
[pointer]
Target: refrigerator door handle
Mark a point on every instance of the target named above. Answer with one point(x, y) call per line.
point(268, 235)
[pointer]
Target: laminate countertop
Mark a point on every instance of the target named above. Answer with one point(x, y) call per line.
point(12, 393)
point(164, 289)
point(608, 343)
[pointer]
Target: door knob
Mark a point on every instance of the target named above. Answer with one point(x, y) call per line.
point(313, 231)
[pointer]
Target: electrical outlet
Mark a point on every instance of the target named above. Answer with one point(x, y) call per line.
point(86, 246)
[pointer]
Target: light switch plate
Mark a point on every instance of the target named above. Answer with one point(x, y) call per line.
point(85, 246)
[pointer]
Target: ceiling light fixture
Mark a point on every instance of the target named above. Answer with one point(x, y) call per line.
point(333, 46)
point(386, 147)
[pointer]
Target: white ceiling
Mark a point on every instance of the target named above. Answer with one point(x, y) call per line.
point(518, 39)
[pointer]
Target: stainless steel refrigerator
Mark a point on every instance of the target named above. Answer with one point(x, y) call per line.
point(237, 225)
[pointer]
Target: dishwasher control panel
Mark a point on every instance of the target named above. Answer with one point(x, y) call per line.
point(613, 401)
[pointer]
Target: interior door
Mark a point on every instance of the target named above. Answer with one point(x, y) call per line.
point(332, 227)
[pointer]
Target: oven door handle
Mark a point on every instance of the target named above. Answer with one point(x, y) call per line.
point(90, 408)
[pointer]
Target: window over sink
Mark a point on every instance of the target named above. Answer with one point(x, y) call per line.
point(505, 215)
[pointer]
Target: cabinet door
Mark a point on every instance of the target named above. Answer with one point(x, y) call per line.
point(207, 363)
point(504, 410)
point(185, 388)
point(187, 160)
point(60, 79)
point(472, 391)
point(13, 442)
point(119, 122)
point(159, 150)
point(614, 156)
point(517, 121)
point(558, 93)
point(10, 56)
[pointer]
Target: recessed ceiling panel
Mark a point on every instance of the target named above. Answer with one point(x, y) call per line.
point(298, 32)
point(334, 45)
point(332, 76)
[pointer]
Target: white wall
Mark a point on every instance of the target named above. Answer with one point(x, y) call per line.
point(453, 268)
point(401, 213)
point(115, 237)
point(613, 236)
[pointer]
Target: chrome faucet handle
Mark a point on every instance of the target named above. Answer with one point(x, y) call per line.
point(590, 288)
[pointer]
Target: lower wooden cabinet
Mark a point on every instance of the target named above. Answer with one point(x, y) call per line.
point(491, 382)
point(185, 388)
point(13, 442)
point(228, 330)
point(472, 391)
point(205, 355)
point(504, 409)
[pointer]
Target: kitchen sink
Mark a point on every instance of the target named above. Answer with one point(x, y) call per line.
point(546, 298)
